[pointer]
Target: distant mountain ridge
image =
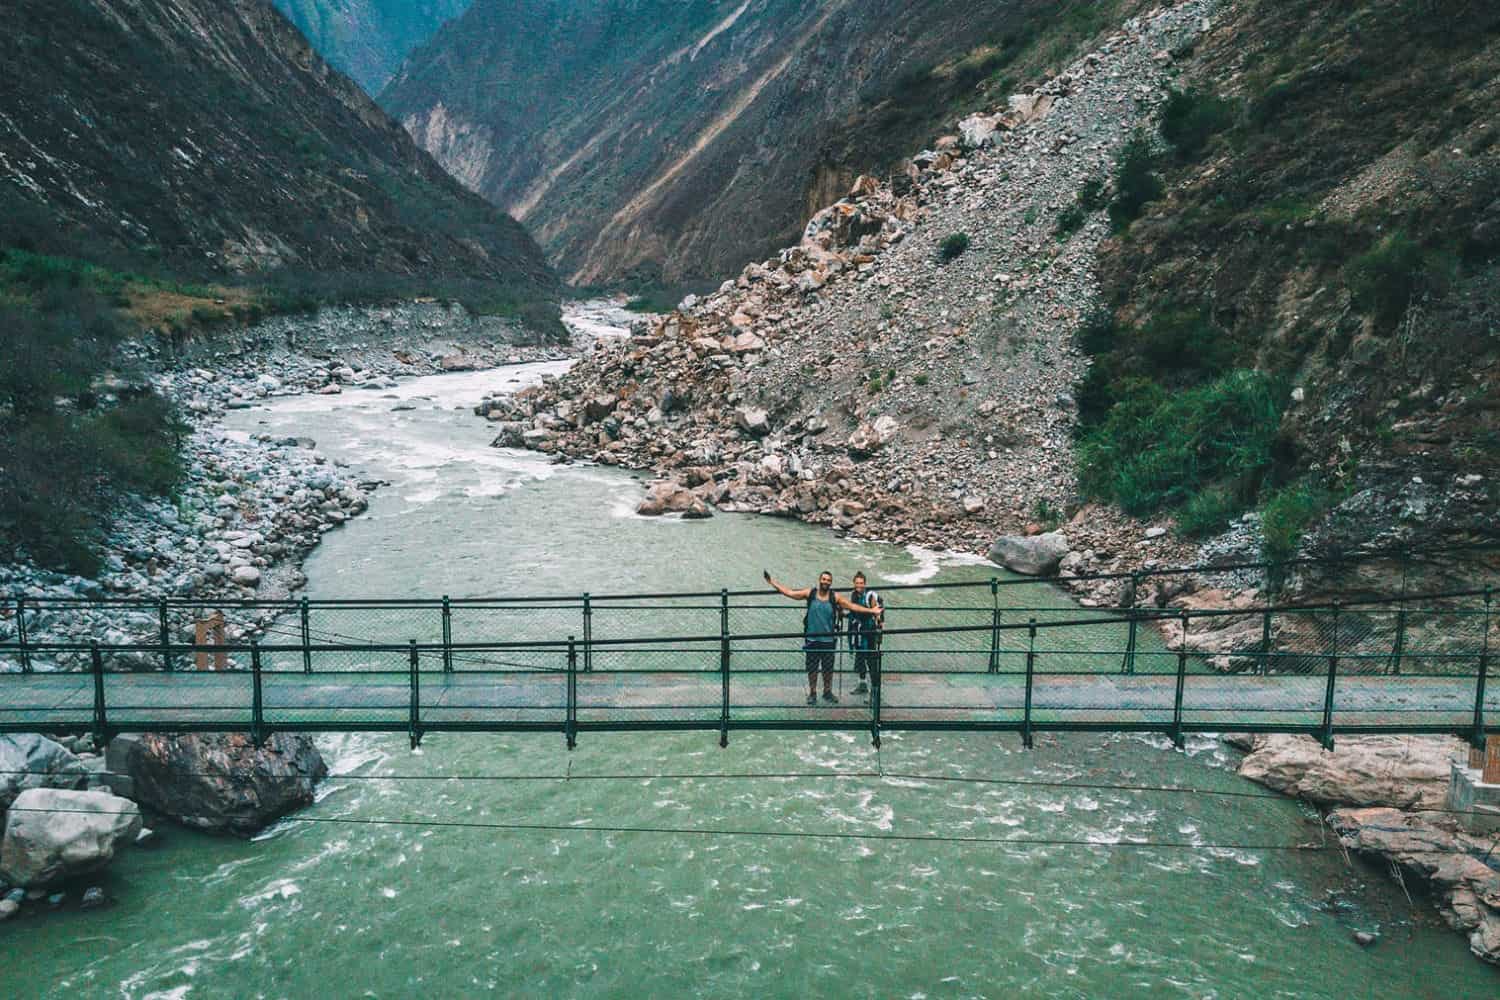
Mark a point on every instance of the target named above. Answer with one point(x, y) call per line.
point(677, 139)
point(368, 39)
point(208, 139)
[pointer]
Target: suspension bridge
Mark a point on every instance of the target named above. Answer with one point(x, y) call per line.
point(954, 656)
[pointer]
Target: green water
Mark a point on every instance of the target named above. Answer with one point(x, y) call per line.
point(367, 909)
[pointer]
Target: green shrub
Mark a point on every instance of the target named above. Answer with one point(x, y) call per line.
point(1091, 195)
point(920, 378)
point(64, 452)
point(1209, 512)
point(1070, 220)
point(1156, 449)
point(953, 245)
point(1190, 118)
point(1386, 279)
point(1287, 513)
point(1136, 183)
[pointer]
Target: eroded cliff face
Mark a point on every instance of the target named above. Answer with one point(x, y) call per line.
point(668, 139)
point(207, 138)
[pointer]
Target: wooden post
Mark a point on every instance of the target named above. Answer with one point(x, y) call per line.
point(1491, 774)
point(210, 632)
point(1476, 758)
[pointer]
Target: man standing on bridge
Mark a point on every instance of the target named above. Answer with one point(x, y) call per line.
point(820, 629)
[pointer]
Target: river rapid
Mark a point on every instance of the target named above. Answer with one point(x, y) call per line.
point(362, 907)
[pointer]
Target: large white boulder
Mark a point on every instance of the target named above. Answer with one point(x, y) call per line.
point(1033, 555)
point(28, 760)
point(52, 834)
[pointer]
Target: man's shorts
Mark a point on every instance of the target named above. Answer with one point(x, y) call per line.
point(820, 659)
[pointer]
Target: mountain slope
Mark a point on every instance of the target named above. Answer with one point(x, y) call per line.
point(206, 139)
point(368, 39)
point(676, 139)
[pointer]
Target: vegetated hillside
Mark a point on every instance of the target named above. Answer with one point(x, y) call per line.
point(367, 39)
point(207, 139)
point(167, 164)
point(1306, 315)
point(678, 139)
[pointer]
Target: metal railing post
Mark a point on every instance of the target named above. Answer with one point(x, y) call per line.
point(1181, 680)
point(994, 628)
point(21, 635)
point(1030, 676)
point(101, 717)
point(306, 616)
point(1133, 613)
point(166, 635)
point(1326, 737)
point(1265, 640)
point(877, 671)
point(1484, 668)
point(414, 722)
point(257, 708)
point(570, 723)
point(447, 635)
point(724, 666)
point(588, 633)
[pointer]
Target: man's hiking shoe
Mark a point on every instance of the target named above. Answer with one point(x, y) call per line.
point(861, 687)
point(828, 697)
point(812, 699)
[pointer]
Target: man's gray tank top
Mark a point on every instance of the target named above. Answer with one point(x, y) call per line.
point(820, 623)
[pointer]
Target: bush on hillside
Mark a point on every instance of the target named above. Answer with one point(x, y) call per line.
point(64, 450)
point(953, 245)
point(1386, 279)
point(1156, 449)
point(1290, 511)
point(1136, 182)
point(1191, 117)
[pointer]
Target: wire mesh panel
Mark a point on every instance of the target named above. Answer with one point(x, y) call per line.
point(368, 688)
point(533, 695)
point(46, 702)
point(185, 699)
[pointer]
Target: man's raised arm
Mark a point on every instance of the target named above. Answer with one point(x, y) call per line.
point(795, 595)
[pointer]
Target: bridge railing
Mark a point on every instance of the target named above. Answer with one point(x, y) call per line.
point(1409, 663)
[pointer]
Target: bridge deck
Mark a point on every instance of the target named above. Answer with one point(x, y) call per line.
point(614, 700)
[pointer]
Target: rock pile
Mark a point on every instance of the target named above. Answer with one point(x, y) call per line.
point(865, 380)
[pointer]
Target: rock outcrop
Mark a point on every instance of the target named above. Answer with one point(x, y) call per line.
point(1400, 772)
point(1464, 871)
point(218, 782)
point(52, 834)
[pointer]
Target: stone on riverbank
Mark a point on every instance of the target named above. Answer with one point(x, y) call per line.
point(1403, 772)
point(31, 761)
point(55, 833)
point(220, 782)
point(1034, 555)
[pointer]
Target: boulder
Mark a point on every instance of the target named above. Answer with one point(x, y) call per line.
point(1036, 555)
point(869, 438)
point(670, 497)
point(52, 834)
point(1402, 772)
point(512, 435)
point(599, 407)
point(753, 421)
point(978, 131)
point(220, 782)
point(31, 761)
point(247, 576)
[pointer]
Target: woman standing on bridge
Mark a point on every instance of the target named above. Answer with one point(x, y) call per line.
point(820, 629)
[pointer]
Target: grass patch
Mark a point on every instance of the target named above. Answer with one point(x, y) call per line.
point(1385, 280)
point(1156, 450)
point(1288, 512)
